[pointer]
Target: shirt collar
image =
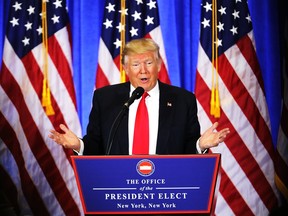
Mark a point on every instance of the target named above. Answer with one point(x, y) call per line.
point(152, 92)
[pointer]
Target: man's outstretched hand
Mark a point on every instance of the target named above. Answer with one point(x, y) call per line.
point(67, 139)
point(211, 138)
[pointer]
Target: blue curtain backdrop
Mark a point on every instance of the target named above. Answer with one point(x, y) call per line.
point(180, 22)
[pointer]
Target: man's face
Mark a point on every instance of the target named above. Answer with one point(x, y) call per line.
point(143, 70)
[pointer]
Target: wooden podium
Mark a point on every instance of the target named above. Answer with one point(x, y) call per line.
point(166, 184)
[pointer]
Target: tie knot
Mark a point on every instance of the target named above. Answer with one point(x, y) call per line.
point(145, 94)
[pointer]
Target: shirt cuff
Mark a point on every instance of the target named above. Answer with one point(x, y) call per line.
point(81, 150)
point(199, 151)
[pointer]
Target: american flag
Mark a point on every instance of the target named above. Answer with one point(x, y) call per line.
point(246, 178)
point(141, 20)
point(36, 173)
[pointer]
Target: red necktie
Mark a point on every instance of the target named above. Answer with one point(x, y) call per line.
point(141, 129)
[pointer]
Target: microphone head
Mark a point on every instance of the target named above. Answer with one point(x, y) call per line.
point(138, 92)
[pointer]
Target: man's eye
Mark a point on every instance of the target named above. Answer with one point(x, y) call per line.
point(135, 65)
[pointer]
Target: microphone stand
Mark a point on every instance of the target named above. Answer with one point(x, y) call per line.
point(114, 128)
point(137, 93)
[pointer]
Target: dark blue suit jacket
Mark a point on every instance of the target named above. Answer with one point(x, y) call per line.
point(178, 129)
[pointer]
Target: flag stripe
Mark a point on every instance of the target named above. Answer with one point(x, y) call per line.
point(46, 163)
point(230, 192)
point(31, 192)
point(234, 186)
point(222, 207)
point(244, 99)
point(62, 66)
point(247, 49)
point(106, 62)
point(65, 100)
point(38, 147)
point(10, 112)
point(237, 178)
point(101, 79)
point(239, 59)
point(227, 101)
point(245, 160)
point(36, 78)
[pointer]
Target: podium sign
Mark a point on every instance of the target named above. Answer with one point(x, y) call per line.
point(146, 184)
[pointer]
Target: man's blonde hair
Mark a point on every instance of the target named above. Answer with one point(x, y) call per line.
point(139, 46)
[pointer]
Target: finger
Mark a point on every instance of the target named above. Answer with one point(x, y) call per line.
point(225, 133)
point(54, 138)
point(214, 126)
point(64, 128)
point(54, 132)
point(226, 130)
point(51, 136)
point(222, 137)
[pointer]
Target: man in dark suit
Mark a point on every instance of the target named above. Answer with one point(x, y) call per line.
point(173, 121)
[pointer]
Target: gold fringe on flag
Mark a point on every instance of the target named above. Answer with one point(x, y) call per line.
point(215, 99)
point(122, 38)
point(46, 97)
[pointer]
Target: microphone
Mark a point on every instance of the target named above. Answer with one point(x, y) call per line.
point(136, 94)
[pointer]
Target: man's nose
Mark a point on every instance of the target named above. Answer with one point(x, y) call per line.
point(143, 68)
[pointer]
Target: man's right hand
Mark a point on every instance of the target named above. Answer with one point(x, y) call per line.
point(67, 139)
